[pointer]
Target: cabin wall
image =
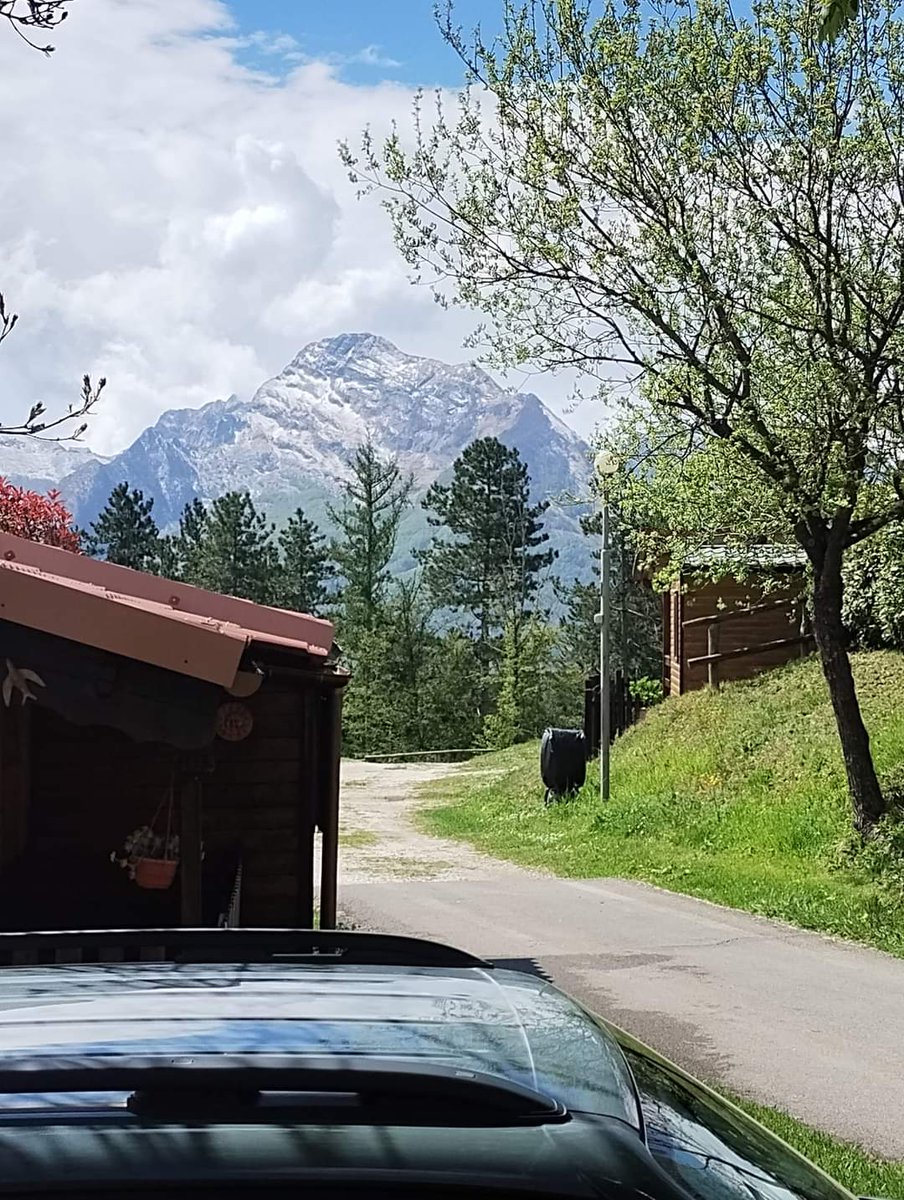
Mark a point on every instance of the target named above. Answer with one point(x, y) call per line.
point(91, 786)
point(88, 788)
point(253, 800)
point(719, 598)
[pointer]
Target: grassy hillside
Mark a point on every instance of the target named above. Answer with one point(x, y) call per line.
point(736, 796)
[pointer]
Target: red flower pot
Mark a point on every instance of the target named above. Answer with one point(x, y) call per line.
point(157, 873)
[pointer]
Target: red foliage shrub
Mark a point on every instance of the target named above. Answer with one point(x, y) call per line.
point(39, 518)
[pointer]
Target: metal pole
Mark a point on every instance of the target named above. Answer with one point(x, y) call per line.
point(605, 695)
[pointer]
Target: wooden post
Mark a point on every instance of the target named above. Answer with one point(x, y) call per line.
point(307, 811)
point(190, 849)
point(331, 742)
point(712, 647)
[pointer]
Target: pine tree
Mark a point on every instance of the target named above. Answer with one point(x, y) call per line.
point(125, 532)
point(451, 694)
point(306, 565)
point(170, 557)
point(412, 688)
point(236, 551)
point(535, 687)
point(368, 722)
point(373, 501)
point(580, 631)
point(491, 568)
point(410, 643)
point(368, 520)
point(186, 547)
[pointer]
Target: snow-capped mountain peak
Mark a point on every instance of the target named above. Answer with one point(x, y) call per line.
point(290, 443)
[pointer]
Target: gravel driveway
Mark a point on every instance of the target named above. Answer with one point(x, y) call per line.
point(378, 839)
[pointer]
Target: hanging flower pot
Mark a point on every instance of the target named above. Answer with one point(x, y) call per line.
point(151, 858)
point(155, 873)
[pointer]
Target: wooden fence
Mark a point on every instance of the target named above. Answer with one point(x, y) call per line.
point(623, 709)
point(395, 756)
point(714, 656)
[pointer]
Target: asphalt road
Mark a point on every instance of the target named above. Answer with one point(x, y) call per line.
point(793, 1019)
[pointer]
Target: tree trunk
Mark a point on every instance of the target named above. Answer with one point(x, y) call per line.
point(831, 641)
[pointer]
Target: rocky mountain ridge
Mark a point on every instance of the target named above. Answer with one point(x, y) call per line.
point(289, 444)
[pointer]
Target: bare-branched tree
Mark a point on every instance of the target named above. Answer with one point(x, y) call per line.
point(24, 16)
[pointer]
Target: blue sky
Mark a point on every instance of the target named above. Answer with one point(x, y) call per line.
point(373, 39)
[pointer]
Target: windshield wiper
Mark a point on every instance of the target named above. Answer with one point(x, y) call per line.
point(196, 1081)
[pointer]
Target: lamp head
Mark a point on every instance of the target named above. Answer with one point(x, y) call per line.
point(606, 464)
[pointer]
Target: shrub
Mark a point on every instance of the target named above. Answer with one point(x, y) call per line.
point(646, 691)
point(28, 514)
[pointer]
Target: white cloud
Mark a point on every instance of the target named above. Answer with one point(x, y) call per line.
point(373, 56)
point(181, 223)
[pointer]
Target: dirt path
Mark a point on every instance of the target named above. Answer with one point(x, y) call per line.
point(378, 839)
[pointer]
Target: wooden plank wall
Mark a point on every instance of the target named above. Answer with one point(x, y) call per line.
point(90, 787)
point(252, 800)
point(93, 786)
point(743, 631)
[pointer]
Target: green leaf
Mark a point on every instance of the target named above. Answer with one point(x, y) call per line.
point(836, 14)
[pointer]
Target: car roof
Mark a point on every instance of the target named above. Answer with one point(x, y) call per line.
point(309, 1056)
point(501, 1022)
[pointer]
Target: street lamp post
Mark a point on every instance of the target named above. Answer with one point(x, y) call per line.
point(606, 466)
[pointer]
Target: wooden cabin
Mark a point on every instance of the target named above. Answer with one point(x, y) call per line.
point(718, 628)
point(133, 701)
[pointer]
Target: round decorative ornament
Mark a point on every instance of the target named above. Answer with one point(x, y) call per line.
point(234, 721)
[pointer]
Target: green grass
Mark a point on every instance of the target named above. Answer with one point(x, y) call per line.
point(736, 796)
point(357, 839)
point(860, 1172)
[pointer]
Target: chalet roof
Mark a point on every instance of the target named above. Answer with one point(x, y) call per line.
point(144, 617)
point(753, 558)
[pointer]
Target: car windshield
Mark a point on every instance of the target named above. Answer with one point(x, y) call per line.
point(712, 1149)
point(500, 1023)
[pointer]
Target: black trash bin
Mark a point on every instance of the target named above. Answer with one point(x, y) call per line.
point(563, 762)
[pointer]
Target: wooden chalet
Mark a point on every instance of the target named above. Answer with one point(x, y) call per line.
point(718, 627)
point(133, 701)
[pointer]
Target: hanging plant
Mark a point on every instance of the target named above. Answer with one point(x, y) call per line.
point(151, 858)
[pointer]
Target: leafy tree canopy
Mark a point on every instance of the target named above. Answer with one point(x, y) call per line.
point(711, 204)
